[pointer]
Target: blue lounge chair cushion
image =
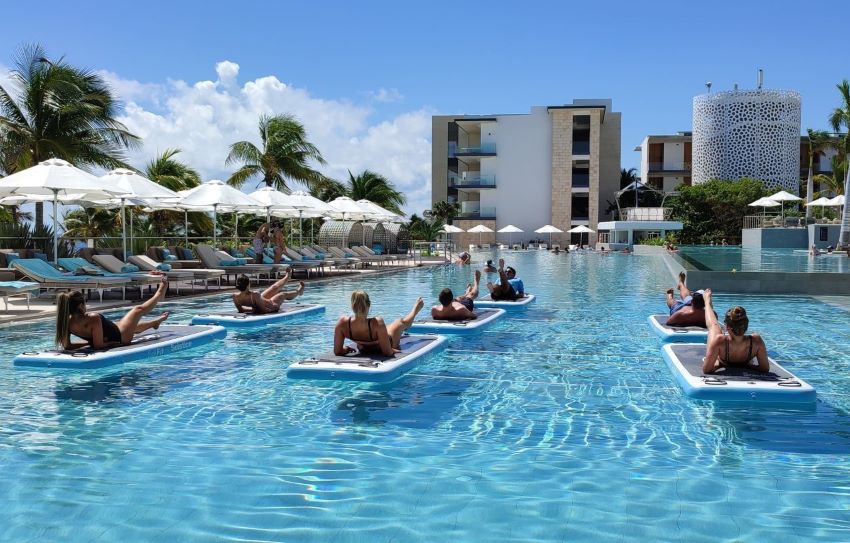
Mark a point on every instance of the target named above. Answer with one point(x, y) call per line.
point(169, 257)
point(11, 257)
point(234, 262)
point(185, 253)
point(129, 268)
point(41, 256)
point(41, 268)
point(163, 267)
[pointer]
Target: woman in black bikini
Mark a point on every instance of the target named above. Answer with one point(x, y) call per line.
point(370, 333)
point(98, 331)
point(735, 349)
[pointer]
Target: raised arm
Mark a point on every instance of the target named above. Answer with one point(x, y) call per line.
point(761, 352)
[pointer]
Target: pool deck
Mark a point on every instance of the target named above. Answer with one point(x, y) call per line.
point(44, 307)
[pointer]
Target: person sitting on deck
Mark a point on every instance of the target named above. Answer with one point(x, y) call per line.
point(689, 309)
point(459, 308)
point(736, 348)
point(98, 331)
point(249, 301)
point(509, 287)
point(370, 333)
point(489, 267)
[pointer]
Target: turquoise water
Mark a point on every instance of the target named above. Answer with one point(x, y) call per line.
point(781, 260)
point(561, 424)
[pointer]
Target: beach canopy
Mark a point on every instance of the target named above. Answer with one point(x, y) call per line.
point(380, 214)
point(480, 229)
point(837, 201)
point(783, 196)
point(822, 201)
point(549, 229)
point(451, 229)
point(346, 208)
point(581, 230)
point(218, 195)
point(510, 229)
point(764, 202)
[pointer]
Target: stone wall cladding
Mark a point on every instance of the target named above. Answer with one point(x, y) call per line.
point(751, 133)
point(562, 171)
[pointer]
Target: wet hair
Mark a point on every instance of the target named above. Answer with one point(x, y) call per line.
point(242, 283)
point(489, 262)
point(67, 304)
point(446, 296)
point(737, 321)
point(510, 270)
point(360, 303)
point(697, 300)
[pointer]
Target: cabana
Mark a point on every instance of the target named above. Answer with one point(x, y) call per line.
point(340, 234)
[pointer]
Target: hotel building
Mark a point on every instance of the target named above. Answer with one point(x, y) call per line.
point(557, 165)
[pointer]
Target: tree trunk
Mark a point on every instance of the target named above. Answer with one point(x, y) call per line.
point(844, 236)
point(810, 189)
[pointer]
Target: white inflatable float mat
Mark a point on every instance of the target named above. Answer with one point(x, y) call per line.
point(169, 338)
point(487, 301)
point(235, 319)
point(484, 316)
point(733, 383)
point(687, 334)
point(368, 366)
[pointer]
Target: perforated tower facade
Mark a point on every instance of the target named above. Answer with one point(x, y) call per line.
point(748, 133)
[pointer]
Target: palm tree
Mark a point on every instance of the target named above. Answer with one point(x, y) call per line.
point(627, 177)
point(173, 174)
point(834, 183)
point(840, 117)
point(445, 211)
point(285, 155)
point(377, 189)
point(329, 189)
point(819, 141)
point(62, 112)
point(425, 230)
point(89, 223)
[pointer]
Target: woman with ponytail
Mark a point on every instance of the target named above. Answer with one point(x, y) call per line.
point(98, 331)
point(736, 348)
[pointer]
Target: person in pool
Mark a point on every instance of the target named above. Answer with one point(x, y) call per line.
point(689, 309)
point(489, 267)
point(735, 349)
point(463, 258)
point(98, 331)
point(370, 333)
point(269, 301)
point(460, 308)
point(509, 287)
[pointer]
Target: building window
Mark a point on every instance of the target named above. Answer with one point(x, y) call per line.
point(580, 207)
point(581, 174)
point(581, 134)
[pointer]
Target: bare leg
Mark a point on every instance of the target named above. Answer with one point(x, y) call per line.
point(131, 323)
point(398, 326)
point(711, 322)
point(684, 292)
point(670, 299)
point(275, 287)
point(278, 252)
point(472, 290)
point(288, 294)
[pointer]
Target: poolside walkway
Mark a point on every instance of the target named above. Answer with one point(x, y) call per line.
point(44, 306)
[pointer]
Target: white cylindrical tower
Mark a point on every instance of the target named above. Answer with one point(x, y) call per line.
point(748, 133)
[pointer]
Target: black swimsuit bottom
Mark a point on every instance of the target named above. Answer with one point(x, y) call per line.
point(111, 332)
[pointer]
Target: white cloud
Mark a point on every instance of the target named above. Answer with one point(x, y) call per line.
point(205, 117)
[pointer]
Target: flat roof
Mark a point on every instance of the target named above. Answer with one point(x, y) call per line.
point(639, 225)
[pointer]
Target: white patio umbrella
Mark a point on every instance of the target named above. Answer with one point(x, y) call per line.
point(549, 229)
point(344, 205)
point(837, 201)
point(219, 195)
point(480, 229)
point(134, 185)
point(782, 197)
point(821, 202)
point(764, 203)
point(450, 229)
point(306, 206)
point(380, 213)
point(580, 230)
point(52, 178)
point(510, 230)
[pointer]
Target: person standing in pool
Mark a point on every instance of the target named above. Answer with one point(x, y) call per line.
point(736, 348)
point(489, 267)
point(98, 331)
point(249, 301)
point(371, 334)
point(463, 258)
point(460, 308)
point(258, 244)
point(509, 287)
point(689, 309)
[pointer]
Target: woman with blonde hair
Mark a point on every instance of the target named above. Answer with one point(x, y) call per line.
point(98, 331)
point(370, 333)
point(735, 349)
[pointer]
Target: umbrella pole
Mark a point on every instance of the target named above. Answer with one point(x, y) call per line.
point(131, 227)
point(55, 229)
point(186, 227)
point(123, 230)
point(300, 230)
point(215, 220)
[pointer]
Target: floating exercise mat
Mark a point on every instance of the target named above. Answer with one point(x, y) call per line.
point(688, 334)
point(368, 366)
point(733, 383)
point(151, 343)
point(487, 301)
point(235, 319)
point(484, 316)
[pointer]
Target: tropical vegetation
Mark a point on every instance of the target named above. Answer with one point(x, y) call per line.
point(840, 119)
point(818, 142)
point(422, 229)
point(445, 211)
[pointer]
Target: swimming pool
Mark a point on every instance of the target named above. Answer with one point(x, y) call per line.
point(762, 260)
point(558, 423)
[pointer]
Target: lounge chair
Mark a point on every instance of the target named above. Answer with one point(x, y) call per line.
point(157, 254)
point(137, 279)
point(113, 265)
point(338, 262)
point(532, 246)
point(294, 256)
point(516, 247)
point(146, 263)
point(398, 257)
point(49, 277)
point(485, 246)
point(220, 260)
point(472, 247)
point(543, 246)
point(363, 252)
point(17, 288)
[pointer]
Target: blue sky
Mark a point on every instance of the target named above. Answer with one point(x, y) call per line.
point(368, 75)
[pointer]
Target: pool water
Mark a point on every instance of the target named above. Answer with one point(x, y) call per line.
point(762, 260)
point(561, 423)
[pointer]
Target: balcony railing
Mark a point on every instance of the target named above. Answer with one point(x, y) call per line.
point(645, 214)
point(483, 149)
point(476, 212)
point(661, 167)
point(776, 221)
point(472, 180)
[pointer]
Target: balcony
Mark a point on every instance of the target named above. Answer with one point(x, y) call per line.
point(581, 148)
point(471, 180)
point(645, 214)
point(581, 180)
point(473, 210)
point(683, 167)
point(484, 149)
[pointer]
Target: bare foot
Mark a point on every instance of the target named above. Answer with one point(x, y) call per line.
point(159, 320)
point(477, 275)
point(490, 286)
point(501, 263)
point(706, 294)
point(682, 277)
point(417, 307)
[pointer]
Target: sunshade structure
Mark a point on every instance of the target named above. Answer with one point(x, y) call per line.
point(450, 229)
point(272, 199)
point(782, 197)
point(379, 213)
point(306, 206)
point(580, 230)
point(510, 230)
point(346, 208)
point(480, 229)
point(55, 177)
point(837, 201)
point(136, 186)
point(820, 202)
point(549, 229)
point(217, 194)
point(764, 203)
